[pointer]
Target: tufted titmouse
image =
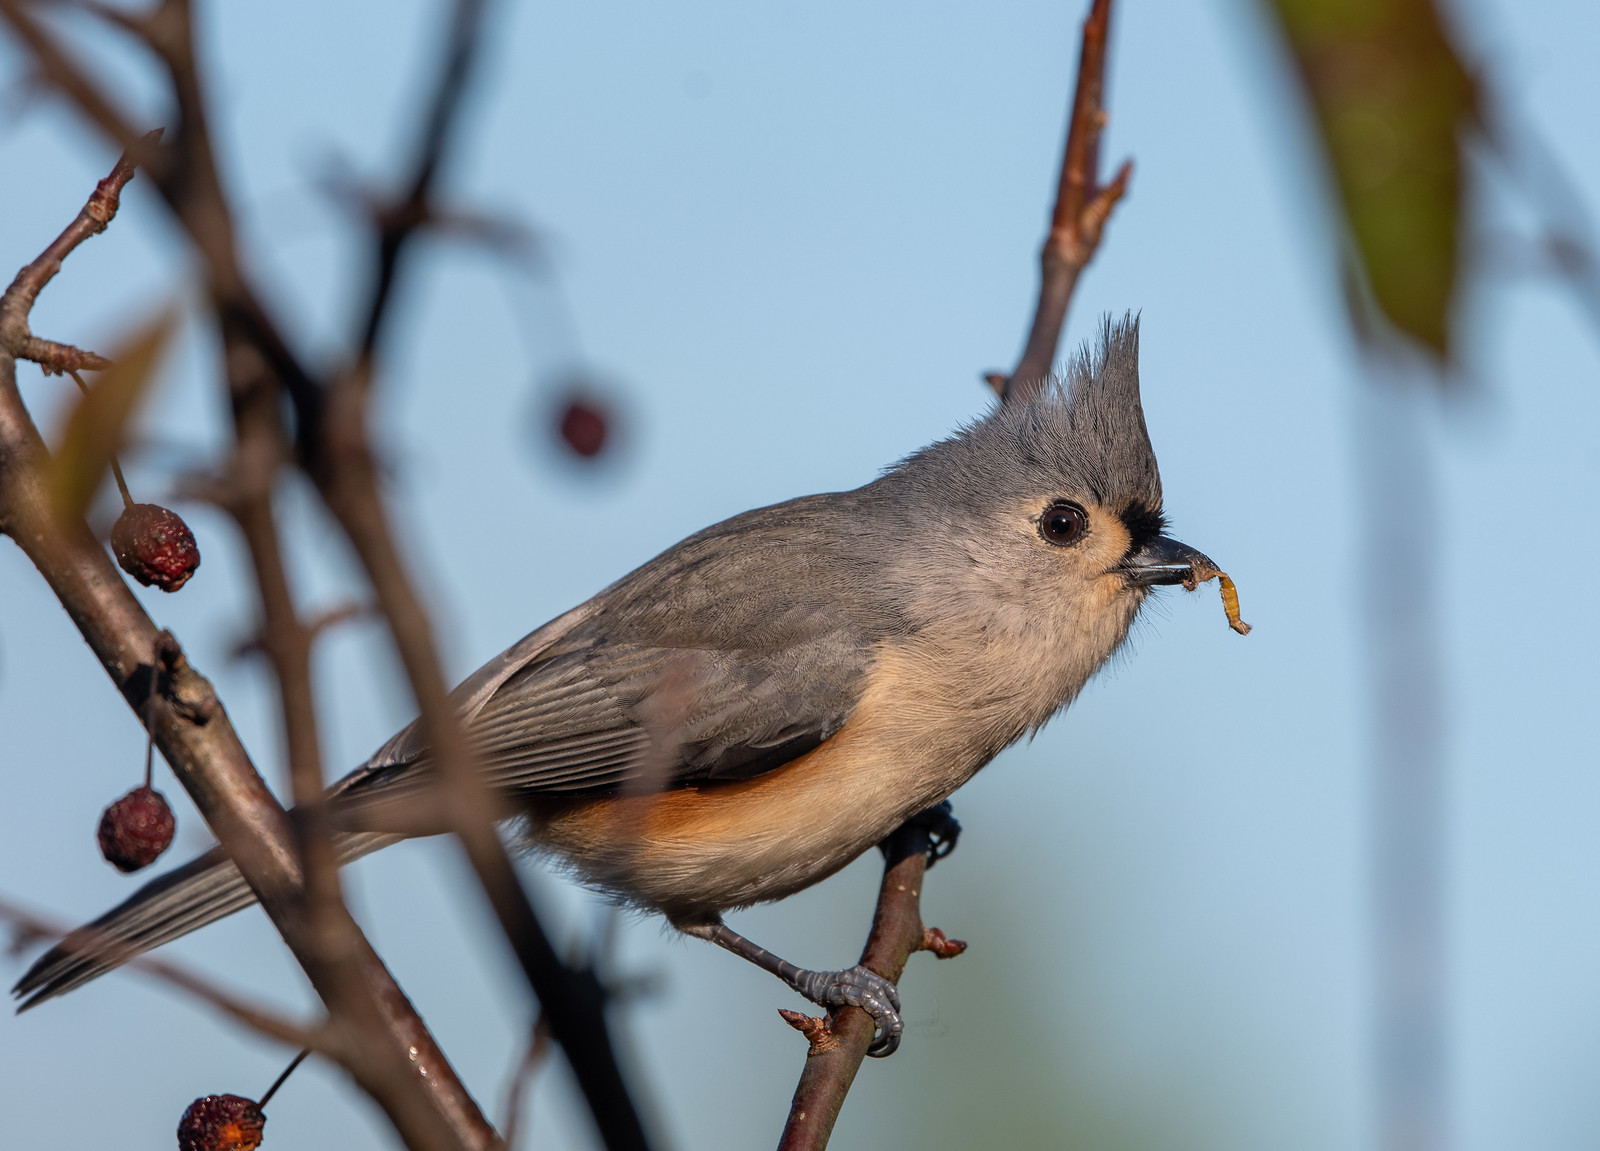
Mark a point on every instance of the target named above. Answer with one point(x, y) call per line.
point(758, 705)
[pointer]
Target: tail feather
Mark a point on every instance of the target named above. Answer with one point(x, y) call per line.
point(202, 891)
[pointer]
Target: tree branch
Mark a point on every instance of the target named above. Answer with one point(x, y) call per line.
point(414, 209)
point(1083, 206)
point(379, 1036)
point(345, 474)
point(17, 302)
point(897, 934)
point(334, 448)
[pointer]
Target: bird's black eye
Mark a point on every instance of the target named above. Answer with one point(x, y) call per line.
point(1063, 523)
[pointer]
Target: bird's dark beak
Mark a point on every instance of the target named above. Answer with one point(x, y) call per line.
point(1163, 562)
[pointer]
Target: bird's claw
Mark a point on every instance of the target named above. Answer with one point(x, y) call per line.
point(858, 987)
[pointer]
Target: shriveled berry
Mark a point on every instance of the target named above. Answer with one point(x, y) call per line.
point(136, 829)
point(155, 546)
point(584, 426)
point(221, 1123)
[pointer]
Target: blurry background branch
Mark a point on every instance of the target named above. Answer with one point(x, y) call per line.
point(378, 1036)
point(1565, 245)
point(1394, 108)
point(28, 927)
point(331, 436)
point(1397, 111)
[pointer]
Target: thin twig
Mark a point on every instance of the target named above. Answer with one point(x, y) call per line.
point(15, 336)
point(323, 621)
point(1083, 205)
point(260, 1019)
point(287, 642)
point(533, 1058)
point(413, 210)
point(1568, 239)
point(92, 219)
point(346, 476)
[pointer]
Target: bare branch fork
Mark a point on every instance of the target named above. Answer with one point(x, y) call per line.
point(17, 302)
point(295, 873)
point(1083, 205)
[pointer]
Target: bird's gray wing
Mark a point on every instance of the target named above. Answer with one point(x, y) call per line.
point(728, 655)
point(697, 668)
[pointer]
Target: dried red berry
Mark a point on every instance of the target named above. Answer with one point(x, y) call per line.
point(155, 546)
point(221, 1123)
point(136, 829)
point(584, 427)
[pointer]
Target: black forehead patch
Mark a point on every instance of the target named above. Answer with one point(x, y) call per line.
point(1144, 524)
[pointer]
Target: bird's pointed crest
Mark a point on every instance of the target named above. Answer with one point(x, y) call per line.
point(1106, 418)
point(1082, 434)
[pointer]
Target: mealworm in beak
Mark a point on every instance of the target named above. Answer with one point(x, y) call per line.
point(1230, 603)
point(1201, 573)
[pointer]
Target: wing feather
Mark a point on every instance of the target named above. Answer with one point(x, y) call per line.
point(665, 679)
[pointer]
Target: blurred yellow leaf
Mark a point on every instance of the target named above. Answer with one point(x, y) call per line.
point(1392, 102)
point(94, 427)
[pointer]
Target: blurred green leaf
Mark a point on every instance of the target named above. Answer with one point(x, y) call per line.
point(95, 426)
point(1392, 102)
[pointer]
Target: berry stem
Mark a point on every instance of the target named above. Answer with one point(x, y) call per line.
point(122, 484)
point(278, 1082)
point(116, 468)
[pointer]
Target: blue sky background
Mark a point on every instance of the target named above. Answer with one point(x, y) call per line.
point(788, 238)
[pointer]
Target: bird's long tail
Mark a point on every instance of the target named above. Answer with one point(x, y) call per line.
point(202, 891)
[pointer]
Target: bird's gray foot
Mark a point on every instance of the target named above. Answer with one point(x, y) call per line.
point(856, 987)
point(853, 987)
